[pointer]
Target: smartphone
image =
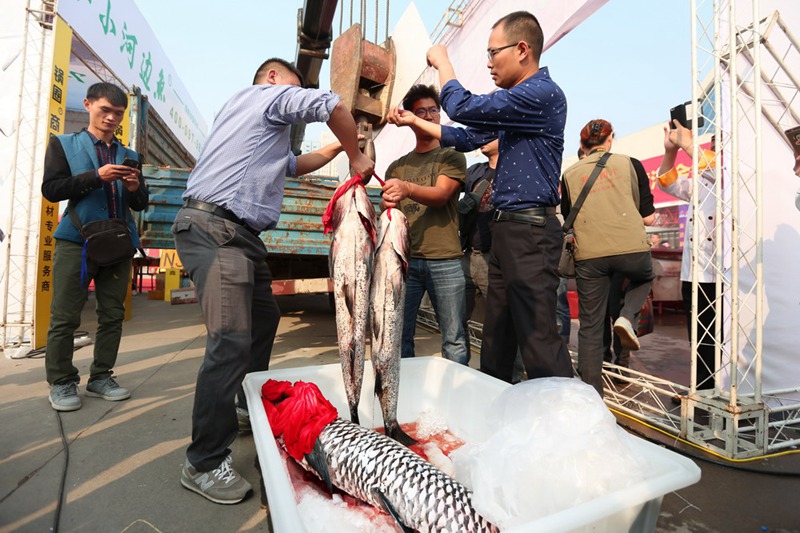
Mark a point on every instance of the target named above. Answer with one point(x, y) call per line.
point(681, 112)
point(128, 162)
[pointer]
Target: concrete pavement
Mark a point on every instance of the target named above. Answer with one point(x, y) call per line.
point(125, 457)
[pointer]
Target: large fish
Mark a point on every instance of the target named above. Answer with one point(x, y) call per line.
point(350, 261)
point(387, 301)
point(365, 464)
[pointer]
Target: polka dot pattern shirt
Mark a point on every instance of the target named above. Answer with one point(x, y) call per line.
point(529, 121)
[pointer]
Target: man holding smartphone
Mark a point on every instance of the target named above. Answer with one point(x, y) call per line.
point(101, 179)
point(678, 137)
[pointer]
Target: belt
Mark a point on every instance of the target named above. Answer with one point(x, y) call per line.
point(531, 215)
point(214, 209)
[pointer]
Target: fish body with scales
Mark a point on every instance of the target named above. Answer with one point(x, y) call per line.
point(387, 302)
point(350, 262)
point(384, 473)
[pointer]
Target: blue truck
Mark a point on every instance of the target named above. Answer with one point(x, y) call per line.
point(298, 248)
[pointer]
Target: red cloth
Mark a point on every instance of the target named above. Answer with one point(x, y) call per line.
point(327, 218)
point(298, 413)
point(355, 181)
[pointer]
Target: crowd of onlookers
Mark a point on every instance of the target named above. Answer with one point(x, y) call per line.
point(502, 239)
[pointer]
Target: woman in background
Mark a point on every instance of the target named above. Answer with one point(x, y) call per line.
point(610, 238)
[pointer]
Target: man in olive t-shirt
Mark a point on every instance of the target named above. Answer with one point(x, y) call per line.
point(425, 184)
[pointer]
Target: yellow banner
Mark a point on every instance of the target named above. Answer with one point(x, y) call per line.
point(48, 219)
point(123, 133)
point(170, 259)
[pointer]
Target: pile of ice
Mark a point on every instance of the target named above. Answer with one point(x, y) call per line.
point(430, 422)
point(554, 445)
point(323, 513)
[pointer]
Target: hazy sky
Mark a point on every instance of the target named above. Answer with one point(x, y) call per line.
point(628, 63)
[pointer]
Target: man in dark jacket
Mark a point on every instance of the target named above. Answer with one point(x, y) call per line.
point(86, 169)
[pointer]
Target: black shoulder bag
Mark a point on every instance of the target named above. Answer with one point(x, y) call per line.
point(566, 265)
point(107, 241)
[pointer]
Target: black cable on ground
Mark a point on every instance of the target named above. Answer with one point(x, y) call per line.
point(59, 503)
point(39, 352)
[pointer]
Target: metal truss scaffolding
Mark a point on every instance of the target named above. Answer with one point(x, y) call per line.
point(737, 418)
point(23, 200)
point(738, 87)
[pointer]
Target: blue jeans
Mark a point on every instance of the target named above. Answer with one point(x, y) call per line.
point(444, 281)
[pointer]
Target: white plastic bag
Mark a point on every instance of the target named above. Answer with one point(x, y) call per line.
point(555, 445)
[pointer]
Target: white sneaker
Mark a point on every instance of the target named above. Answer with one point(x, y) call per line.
point(627, 336)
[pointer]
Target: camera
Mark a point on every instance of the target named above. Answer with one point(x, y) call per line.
point(468, 203)
point(680, 113)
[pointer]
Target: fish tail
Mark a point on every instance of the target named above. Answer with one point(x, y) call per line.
point(390, 424)
point(355, 386)
point(399, 435)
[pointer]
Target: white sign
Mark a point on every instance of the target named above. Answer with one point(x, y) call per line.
point(118, 34)
point(466, 47)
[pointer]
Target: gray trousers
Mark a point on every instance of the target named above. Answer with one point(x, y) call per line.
point(593, 280)
point(228, 266)
point(69, 296)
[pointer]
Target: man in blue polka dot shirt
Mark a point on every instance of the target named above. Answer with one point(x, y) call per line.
point(527, 115)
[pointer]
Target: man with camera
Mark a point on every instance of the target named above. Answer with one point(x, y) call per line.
point(678, 136)
point(101, 178)
point(425, 184)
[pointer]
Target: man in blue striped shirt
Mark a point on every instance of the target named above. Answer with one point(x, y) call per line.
point(527, 115)
point(234, 193)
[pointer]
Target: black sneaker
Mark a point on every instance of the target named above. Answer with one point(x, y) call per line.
point(222, 485)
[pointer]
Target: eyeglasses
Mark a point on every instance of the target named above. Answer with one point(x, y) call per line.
point(491, 52)
point(430, 111)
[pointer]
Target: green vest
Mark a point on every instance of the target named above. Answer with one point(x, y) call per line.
point(609, 222)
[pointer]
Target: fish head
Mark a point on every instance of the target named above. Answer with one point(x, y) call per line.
point(342, 205)
point(366, 211)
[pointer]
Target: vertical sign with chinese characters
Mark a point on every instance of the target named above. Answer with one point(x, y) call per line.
point(49, 212)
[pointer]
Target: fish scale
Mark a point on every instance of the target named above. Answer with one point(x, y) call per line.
point(387, 302)
point(361, 461)
point(352, 249)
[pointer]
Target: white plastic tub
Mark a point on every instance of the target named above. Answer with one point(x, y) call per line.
point(461, 395)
